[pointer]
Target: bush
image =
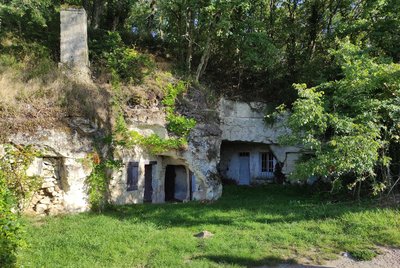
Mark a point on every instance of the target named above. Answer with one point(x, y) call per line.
point(180, 125)
point(126, 63)
point(32, 59)
point(348, 127)
point(10, 227)
point(363, 254)
point(130, 65)
point(176, 124)
point(98, 180)
point(13, 167)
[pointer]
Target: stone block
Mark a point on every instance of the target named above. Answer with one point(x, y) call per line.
point(35, 168)
point(73, 45)
point(41, 208)
point(46, 200)
point(48, 185)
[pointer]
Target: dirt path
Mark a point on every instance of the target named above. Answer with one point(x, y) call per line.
point(390, 258)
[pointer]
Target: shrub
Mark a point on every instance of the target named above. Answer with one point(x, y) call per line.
point(13, 167)
point(10, 226)
point(126, 63)
point(176, 124)
point(180, 125)
point(98, 180)
point(349, 127)
point(363, 254)
point(130, 65)
point(33, 59)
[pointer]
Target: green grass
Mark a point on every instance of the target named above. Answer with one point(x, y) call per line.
point(251, 226)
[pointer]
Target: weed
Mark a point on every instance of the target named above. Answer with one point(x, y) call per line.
point(363, 254)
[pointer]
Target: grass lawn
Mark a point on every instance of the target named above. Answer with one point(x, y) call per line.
point(251, 226)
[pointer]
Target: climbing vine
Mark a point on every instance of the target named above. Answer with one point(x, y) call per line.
point(10, 226)
point(13, 166)
point(178, 125)
point(98, 180)
point(15, 189)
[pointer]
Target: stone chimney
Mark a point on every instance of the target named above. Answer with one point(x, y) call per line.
point(74, 52)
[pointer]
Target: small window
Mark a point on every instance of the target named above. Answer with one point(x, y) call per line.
point(244, 154)
point(133, 175)
point(267, 162)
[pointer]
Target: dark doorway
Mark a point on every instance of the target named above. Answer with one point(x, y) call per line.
point(148, 183)
point(191, 184)
point(170, 176)
point(176, 183)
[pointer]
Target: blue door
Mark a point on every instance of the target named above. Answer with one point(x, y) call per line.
point(244, 168)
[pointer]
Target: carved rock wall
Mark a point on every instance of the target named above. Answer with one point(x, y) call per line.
point(61, 169)
point(244, 122)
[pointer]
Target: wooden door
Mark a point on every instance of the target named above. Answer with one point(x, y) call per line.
point(148, 183)
point(244, 168)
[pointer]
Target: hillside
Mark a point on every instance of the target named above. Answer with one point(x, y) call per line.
point(106, 103)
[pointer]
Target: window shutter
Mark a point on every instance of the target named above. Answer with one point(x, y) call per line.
point(133, 176)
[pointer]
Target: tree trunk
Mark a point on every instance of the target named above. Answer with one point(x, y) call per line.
point(291, 46)
point(97, 12)
point(189, 52)
point(204, 59)
point(272, 8)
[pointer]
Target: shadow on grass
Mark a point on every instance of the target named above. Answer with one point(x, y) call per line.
point(241, 206)
point(270, 261)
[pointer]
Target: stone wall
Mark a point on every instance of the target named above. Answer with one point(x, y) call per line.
point(60, 168)
point(242, 121)
point(49, 200)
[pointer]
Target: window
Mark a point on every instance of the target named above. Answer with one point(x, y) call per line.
point(244, 154)
point(267, 162)
point(132, 175)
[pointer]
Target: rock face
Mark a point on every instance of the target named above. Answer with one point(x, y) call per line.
point(203, 157)
point(170, 176)
point(60, 168)
point(247, 141)
point(215, 147)
point(245, 122)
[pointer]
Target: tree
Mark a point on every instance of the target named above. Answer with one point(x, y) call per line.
point(348, 127)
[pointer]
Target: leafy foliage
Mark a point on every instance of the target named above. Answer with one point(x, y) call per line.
point(13, 166)
point(10, 226)
point(32, 59)
point(15, 190)
point(177, 124)
point(153, 143)
point(347, 127)
point(98, 180)
point(126, 63)
point(259, 47)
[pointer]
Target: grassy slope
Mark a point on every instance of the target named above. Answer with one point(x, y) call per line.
point(252, 226)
